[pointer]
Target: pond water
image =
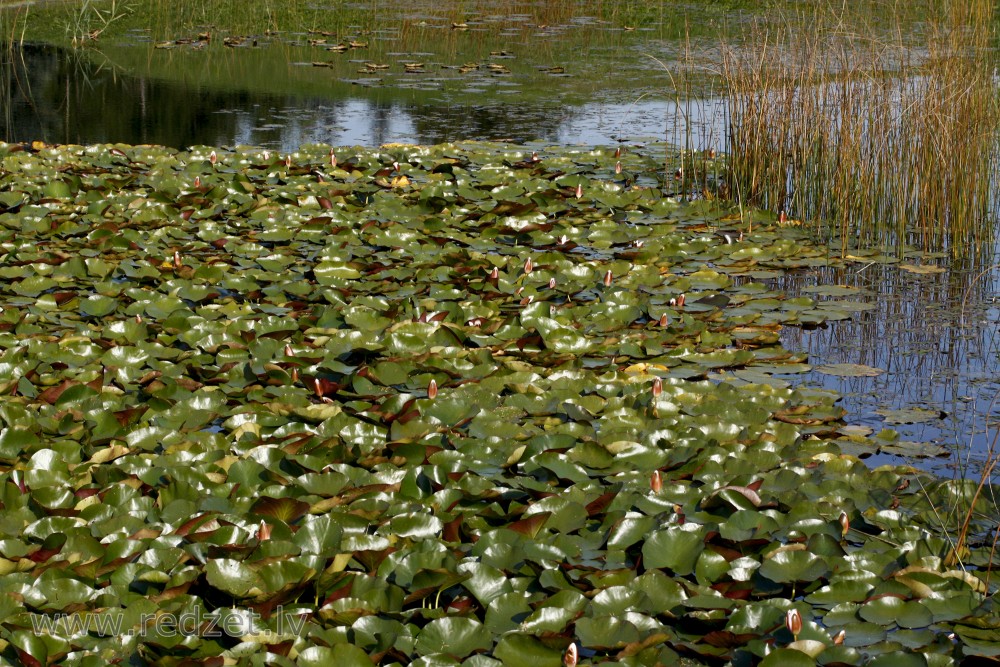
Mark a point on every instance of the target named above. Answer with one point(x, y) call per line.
point(935, 335)
point(61, 96)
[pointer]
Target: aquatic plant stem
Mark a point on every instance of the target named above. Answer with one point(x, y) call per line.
point(876, 136)
point(992, 459)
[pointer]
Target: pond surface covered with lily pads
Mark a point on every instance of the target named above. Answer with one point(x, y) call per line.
point(515, 73)
point(463, 404)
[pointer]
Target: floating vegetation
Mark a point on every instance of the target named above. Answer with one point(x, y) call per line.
point(440, 404)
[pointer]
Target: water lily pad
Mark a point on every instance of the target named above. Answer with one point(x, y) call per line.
point(831, 290)
point(791, 566)
point(909, 415)
point(915, 449)
point(787, 656)
point(849, 370)
point(232, 577)
point(457, 637)
point(922, 269)
point(673, 548)
point(518, 650)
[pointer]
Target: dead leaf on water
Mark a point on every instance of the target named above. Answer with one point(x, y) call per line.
point(910, 415)
point(850, 370)
point(922, 269)
point(918, 450)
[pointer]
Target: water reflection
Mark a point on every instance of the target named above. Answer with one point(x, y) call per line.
point(62, 96)
point(936, 336)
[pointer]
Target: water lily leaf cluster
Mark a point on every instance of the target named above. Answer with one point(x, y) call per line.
point(462, 404)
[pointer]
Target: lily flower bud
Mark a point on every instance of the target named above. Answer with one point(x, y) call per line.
point(571, 656)
point(656, 482)
point(793, 621)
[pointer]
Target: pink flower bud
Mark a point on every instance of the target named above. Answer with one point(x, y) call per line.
point(571, 656)
point(607, 278)
point(432, 389)
point(656, 482)
point(264, 531)
point(657, 387)
point(793, 621)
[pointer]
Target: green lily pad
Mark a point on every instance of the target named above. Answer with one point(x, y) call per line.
point(456, 637)
point(850, 370)
point(673, 548)
point(232, 577)
point(909, 415)
point(791, 566)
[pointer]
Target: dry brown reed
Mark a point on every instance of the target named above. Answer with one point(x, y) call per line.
point(879, 134)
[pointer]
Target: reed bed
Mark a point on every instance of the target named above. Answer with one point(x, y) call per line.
point(879, 136)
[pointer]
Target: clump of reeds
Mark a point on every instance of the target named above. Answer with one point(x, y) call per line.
point(879, 136)
point(691, 166)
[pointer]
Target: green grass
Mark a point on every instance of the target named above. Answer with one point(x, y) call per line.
point(172, 19)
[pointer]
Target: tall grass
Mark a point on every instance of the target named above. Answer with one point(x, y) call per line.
point(12, 26)
point(879, 136)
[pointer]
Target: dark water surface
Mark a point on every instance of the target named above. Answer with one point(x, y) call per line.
point(937, 337)
point(61, 96)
